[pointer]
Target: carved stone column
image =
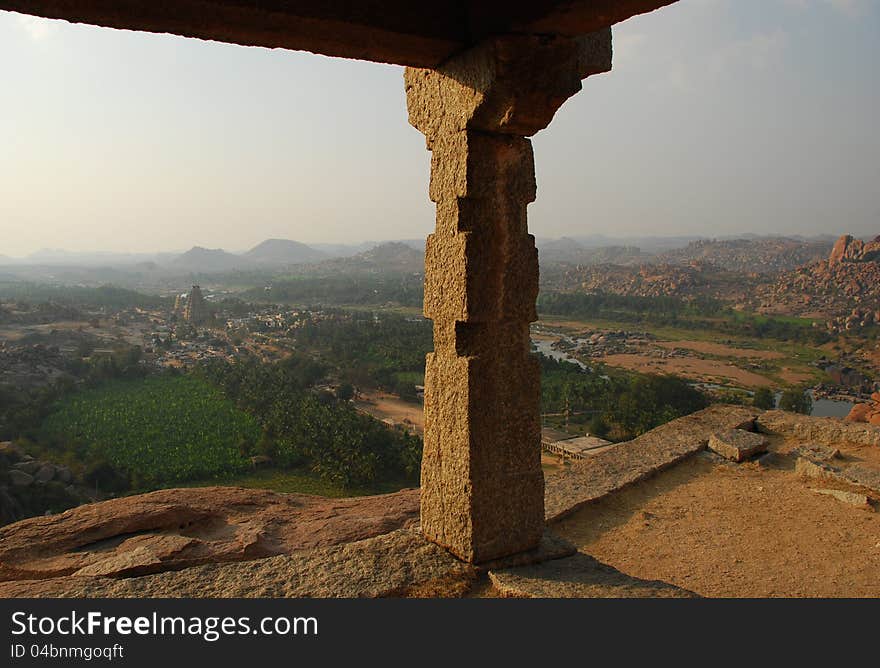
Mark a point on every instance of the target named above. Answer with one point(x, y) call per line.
point(482, 484)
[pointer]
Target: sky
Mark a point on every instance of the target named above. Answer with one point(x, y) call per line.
point(719, 117)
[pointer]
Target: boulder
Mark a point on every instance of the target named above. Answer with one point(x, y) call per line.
point(841, 250)
point(176, 528)
point(20, 478)
point(400, 563)
point(851, 498)
point(863, 476)
point(63, 474)
point(29, 466)
point(817, 470)
point(860, 412)
point(45, 473)
point(737, 444)
point(817, 452)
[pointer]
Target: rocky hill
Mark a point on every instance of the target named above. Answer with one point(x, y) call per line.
point(198, 259)
point(845, 287)
point(283, 251)
point(647, 280)
point(390, 257)
point(763, 255)
point(570, 251)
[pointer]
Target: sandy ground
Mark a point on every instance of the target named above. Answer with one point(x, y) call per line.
point(721, 349)
point(388, 407)
point(690, 367)
point(735, 530)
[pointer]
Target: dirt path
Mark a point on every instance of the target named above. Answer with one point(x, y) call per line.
point(727, 530)
point(388, 407)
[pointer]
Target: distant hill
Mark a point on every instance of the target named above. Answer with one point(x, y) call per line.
point(567, 250)
point(393, 256)
point(198, 259)
point(284, 251)
point(763, 255)
point(64, 258)
point(350, 250)
point(845, 286)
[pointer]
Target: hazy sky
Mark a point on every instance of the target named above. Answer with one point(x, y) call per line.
point(721, 116)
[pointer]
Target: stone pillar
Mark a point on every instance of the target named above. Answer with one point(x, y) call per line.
point(482, 484)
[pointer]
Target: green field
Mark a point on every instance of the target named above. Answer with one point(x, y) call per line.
point(158, 430)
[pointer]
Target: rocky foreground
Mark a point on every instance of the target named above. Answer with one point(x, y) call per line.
point(174, 529)
point(222, 541)
point(867, 412)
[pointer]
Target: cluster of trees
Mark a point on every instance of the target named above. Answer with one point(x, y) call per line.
point(665, 310)
point(612, 403)
point(703, 312)
point(796, 401)
point(319, 430)
point(793, 399)
point(384, 350)
point(405, 289)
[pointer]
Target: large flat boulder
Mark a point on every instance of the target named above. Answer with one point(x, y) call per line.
point(400, 563)
point(176, 528)
point(737, 445)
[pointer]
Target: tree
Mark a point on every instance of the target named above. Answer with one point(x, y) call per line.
point(764, 399)
point(796, 401)
point(84, 348)
point(345, 392)
point(598, 427)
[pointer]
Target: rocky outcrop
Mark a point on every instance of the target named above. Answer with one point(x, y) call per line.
point(867, 412)
point(846, 286)
point(177, 528)
point(848, 249)
point(827, 431)
point(29, 486)
point(400, 563)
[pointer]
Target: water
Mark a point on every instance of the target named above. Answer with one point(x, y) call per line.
point(831, 408)
point(826, 407)
point(546, 347)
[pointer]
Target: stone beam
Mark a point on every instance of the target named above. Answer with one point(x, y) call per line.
point(390, 31)
point(576, 17)
point(482, 483)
